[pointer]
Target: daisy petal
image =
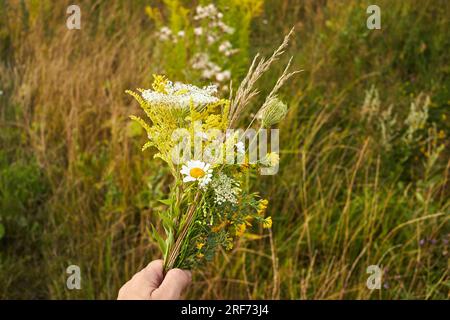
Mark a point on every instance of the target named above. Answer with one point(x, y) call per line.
point(188, 179)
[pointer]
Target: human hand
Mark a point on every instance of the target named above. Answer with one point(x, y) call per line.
point(150, 284)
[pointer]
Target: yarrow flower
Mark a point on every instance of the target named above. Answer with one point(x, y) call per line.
point(196, 170)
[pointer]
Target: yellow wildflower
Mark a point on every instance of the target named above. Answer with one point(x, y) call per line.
point(274, 159)
point(248, 220)
point(267, 223)
point(200, 245)
point(159, 83)
point(240, 229)
point(229, 244)
point(219, 227)
point(262, 206)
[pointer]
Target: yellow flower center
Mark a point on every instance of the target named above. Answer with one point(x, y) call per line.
point(197, 173)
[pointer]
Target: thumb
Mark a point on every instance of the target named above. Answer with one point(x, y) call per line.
point(175, 281)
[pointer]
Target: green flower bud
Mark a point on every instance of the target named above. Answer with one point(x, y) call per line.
point(273, 112)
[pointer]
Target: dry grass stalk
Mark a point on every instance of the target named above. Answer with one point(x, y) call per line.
point(175, 250)
point(247, 90)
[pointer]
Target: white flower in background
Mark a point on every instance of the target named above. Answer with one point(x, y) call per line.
point(211, 38)
point(209, 70)
point(223, 76)
point(240, 147)
point(220, 77)
point(225, 189)
point(227, 49)
point(207, 74)
point(225, 28)
point(231, 52)
point(165, 33)
point(181, 34)
point(198, 31)
point(417, 117)
point(214, 67)
point(182, 95)
point(215, 34)
point(209, 11)
point(224, 46)
point(196, 170)
point(200, 61)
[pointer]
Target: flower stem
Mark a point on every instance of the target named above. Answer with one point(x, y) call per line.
point(175, 250)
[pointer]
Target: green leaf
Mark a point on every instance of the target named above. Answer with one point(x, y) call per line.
point(154, 235)
point(169, 241)
point(420, 197)
point(167, 202)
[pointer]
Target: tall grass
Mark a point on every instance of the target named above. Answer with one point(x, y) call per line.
point(75, 188)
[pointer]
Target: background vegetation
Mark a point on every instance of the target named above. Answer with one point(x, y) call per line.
point(364, 175)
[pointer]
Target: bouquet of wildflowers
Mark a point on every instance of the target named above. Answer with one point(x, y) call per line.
point(193, 131)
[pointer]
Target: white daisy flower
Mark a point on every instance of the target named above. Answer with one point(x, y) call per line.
point(205, 181)
point(196, 170)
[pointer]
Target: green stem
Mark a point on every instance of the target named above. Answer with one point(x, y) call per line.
point(175, 250)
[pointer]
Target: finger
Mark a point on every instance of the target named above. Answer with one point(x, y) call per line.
point(144, 282)
point(152, 275)
point(175, 281)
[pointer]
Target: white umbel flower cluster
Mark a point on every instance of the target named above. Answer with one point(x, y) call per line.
point(182, 95)
point(225, 189)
